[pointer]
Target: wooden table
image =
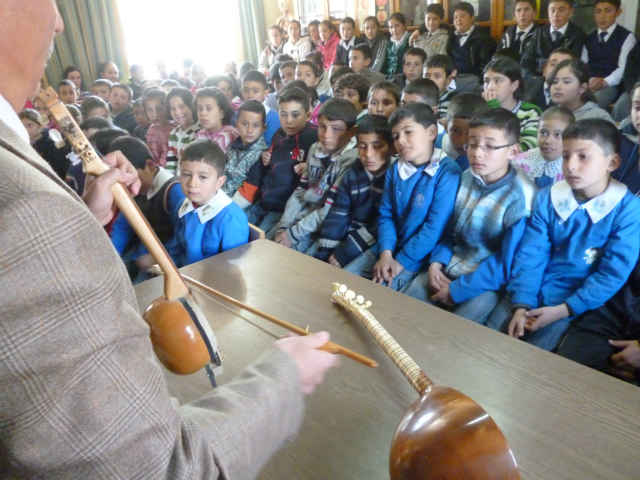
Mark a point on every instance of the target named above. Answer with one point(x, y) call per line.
point(562, 420)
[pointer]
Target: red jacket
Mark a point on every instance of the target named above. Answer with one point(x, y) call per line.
point(328, 49)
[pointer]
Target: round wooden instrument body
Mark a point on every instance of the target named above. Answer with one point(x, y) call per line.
point(446, 435)
point(175, 337)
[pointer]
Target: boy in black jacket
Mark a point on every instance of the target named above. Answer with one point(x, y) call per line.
point(271, 182)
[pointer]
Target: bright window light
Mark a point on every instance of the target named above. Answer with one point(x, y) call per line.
point(171, 30)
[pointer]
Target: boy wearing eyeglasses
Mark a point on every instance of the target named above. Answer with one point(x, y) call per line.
point(471, 263)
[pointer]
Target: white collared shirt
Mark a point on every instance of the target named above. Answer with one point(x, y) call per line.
point(207, 211)
point(162, 177)
point(466, 34)
point(526, 31)
point(562, 30)
point(11, 119)
point(564, 202)
point(407, 169)
point(616, 76)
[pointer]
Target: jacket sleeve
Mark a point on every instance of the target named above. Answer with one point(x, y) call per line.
point(235, 229)
point(380, 56)
point(336, 224)
point(264, 60)
point(387, 235)
point(529, 60)
point(248, 191)
point(493, 273)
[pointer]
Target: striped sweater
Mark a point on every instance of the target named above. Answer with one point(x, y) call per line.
point(529, 116)
point(178, 140)
point(310, 203)
point(351, 227)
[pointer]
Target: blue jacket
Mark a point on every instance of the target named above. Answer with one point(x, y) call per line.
point(576, 254)
point(629, 170)
point(273, 124)
point(415, 211)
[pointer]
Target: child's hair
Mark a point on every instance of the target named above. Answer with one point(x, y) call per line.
point(71, 69)
point(314, 23)
point(91, 103)
point(138, 103)
point(441, 61)
point(214, 80)
point(66, 82)
point(348, 20)
point(29, 114)
point(317, 58)
point(437, 9)
point(290, 64)
point(221, 100)
point(134, 68)
point(465, 106)
point(235, 87)
point(507, 53)
point(253, 106)
point(533, 3)
point(102, 82)
point(426, 89)
point(283, 57)
point(187, 62)
point(274, 72)
point(75, 113)
point(125, 87)
point(205, 151)
point(311, 91)
point(416, 52)
point(170, 83)
point(510, 69)
point(371, 19)
point(602, 132)
point(339, 109)
point(357, 82)
point(102, 66)
point(399, 17)
point(413, 111)
point(568, 2)
point(389, 87)
point(634, 88)
point(377, 124)
point(564, 51)
point(232, 64)
point(558, 111)
point(296, 22)
point(615, 3)
point(336, 73)
point(134, 149)
point(339, 63)
point(102, 139)
point(581, 71)
point(245, 67)
point(96, 123)
point(364, 49)
point(152, 93)
point(186, 96)
point(255, 76)
point(465, 7)
point(327, 23)
point(500, 119)
point(312, 66)
point(294, 94)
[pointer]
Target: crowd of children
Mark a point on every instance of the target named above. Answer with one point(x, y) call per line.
point(489, 182)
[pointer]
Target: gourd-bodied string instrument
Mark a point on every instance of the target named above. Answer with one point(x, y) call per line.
point(444, 434)
point(180, 333)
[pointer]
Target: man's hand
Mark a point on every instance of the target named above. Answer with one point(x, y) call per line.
point(266, 157)
point(145, 262)
point(386, 269)
point(437, 279)
point(299, 168)
point(516, 325)
point(541, 317)
point(628, 359)
point(332, 260)
point(282, 239)
point(444, 296)
point(414, 36)
point(312, 363)
point(97, 191)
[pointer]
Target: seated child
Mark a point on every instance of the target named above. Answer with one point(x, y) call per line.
point(435, 40)
point(462, 109)
point(543, 165)
point(569, 87)
point(215, 114)
point(256, 87)
point(247, 149)
point(208, 221)
point(141, 120)
point(154, 100)
point(228, 85)
point(43, 144)
point(348, 39)
point(383, 99)
point(471, 262)
point(397, 46)
point(323, 88)
point(629, 172)
point(580, 246)
point(102, 88)
point(351, 227)
point(516, 37)
point(376, 41)
point(42, 109)
point(424, 91)
point(271, 100)
point(327, 162)
point(121, 109)
point(271, 181)
point(412, 67)
point(417, 201)
point(67, 92)
point(159, 198)
point(328, 44)
point(441, 70)
point(180, 105)
point(288, 71)
point(354, 88)
point(360, 62)
point(93, 106)
point(502, 88)
point(536, 89)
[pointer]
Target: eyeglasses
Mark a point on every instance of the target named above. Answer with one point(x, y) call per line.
point(484, 148)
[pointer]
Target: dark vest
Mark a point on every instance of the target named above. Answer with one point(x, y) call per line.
point(603, 57)
point(155, 210)
point(459, 55)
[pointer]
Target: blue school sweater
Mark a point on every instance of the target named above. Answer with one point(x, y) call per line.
point(212, 228)
point(488, 223)
point(578, 254)
point(415, 208)
point(273, 124)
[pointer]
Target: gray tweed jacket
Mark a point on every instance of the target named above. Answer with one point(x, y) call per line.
point(81, 395)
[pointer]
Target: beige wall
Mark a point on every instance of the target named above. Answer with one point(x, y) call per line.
point(272, 12)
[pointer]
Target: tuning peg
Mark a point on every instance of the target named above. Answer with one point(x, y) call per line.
point(335, 286)
point(360, 299)
point(367, 304)
point(342, 289)
point(350, 295)
point(43, 120)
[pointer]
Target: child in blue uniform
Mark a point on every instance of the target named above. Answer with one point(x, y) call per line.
point(208, 221)
point(417, 201)
point(581, 244)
